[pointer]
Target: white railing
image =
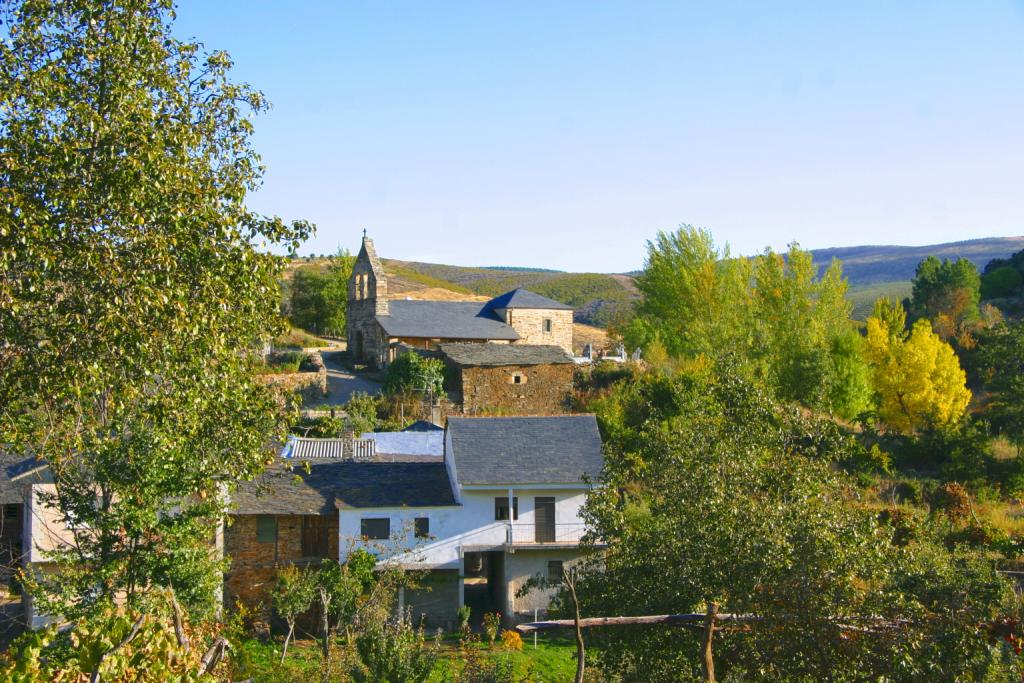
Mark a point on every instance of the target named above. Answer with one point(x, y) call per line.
point(519, 534)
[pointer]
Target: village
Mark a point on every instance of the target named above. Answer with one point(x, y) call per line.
point(510, 343)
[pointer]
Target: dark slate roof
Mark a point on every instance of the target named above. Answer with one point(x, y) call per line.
point(423, 426)
point(525, 450)
point(444, 320)
point(524, 298)
point(16, 471)
point(496, 355)
point(330, 483)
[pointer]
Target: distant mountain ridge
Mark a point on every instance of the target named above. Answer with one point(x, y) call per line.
point(871, 264)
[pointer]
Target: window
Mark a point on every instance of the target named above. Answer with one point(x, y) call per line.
point(422, 526)
point(554, 570)
point(517, 379)
point(314, 536)
point(375, 529)
point(266, 528)
point(547, 324)
point(501, 508)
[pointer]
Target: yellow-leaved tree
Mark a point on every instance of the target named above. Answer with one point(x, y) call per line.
point(917, 377)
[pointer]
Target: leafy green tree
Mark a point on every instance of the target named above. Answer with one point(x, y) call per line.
point(308, 304)
point(292, 597)
point(131, 288)
point(1002, 282)
point(714, 493)
point(319, 296)
point(412, 372)
point(848, 388)
point(946, 293)
point(1002, 359)
point(772, 312)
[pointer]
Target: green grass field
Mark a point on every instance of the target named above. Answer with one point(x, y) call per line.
point(864, 296)
point(552, 662)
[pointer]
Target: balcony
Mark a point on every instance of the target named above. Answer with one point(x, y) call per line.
point(545, 534)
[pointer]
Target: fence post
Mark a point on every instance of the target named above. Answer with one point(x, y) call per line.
point(709, 634)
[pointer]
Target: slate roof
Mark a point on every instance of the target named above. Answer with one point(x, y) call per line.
point(16, 471)
point(444, 320)
point(525, 450)
point(524, 298)
point(497, 355)
point(340, 483)
point(423, 426)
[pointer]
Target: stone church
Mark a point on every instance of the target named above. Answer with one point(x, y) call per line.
point(378, 326)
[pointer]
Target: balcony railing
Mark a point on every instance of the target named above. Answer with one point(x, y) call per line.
point(531, 534)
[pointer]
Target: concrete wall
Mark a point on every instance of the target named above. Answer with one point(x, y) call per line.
point(529, 325)
point(520, 567)
point(541, 390)
point(435, 600)
point(254, 564)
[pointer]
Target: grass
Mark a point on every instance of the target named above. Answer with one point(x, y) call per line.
point(296, 338)
point(553, 660)
point(863, 297)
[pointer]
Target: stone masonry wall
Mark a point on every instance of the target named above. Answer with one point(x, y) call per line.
point(254, 565)
point(435, 600)
point(542, 389)
point(529, 325)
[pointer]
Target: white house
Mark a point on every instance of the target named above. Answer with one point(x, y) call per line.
point(477, 549)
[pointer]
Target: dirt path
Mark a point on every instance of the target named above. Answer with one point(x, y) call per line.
point(342, 382)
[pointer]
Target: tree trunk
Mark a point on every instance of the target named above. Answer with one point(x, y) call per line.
point(291, 630)
point(570, 581)
point(709, 634)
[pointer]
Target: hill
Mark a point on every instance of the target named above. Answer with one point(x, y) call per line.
point(870, 265)
point(598, 298)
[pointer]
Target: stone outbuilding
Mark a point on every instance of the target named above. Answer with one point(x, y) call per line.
point(508, 379)
point(379, 327)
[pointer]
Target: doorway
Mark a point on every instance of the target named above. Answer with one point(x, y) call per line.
point(544, 518)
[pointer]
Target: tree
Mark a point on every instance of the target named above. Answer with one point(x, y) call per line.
point(319, 296)
point(947, 293)
point(308, 305)
point(1002, 364)
point(773, 312)
point(412, 372)
point(917, 377)
point(714, 493)
point(131, 289)
point(292, 597)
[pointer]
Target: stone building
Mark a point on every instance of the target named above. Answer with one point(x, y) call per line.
point(378, 326)
point(508, 378)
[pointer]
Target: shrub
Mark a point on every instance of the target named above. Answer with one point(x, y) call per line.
point(394, 652)
point(412, 372)
point(908, 491)
point(464, 614)
point(492, 622)
point(953, 500)
point(905, 525)
point(511, 640)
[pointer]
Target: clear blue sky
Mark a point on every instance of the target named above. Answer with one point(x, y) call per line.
point(565, 134)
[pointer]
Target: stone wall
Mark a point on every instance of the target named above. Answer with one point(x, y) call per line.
point(529, 325)
point(541, 390)
point(254, 564)
point(310, 383)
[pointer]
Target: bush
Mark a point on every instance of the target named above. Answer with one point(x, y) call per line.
point(953, 500)
point(511, 640)
point(465, 611)
point(394, 652)
point(908, 491)
point(412, 372)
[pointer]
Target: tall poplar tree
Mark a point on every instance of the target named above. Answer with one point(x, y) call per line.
point(133, 283)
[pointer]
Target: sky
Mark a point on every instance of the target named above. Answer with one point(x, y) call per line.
point(566, 134)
